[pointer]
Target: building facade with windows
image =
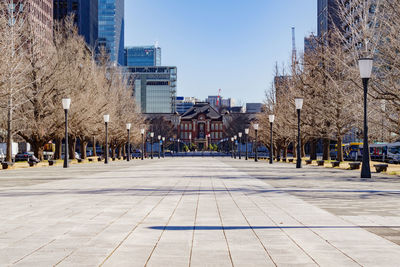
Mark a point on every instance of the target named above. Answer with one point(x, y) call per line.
point(143, 56)
point(86, 17)
point(154, 88)
point(111, 28)
point(201, 125)
point(39, 13)
point(328, 16)
point(183, 104)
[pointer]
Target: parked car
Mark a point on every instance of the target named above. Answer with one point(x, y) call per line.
point(26, 156)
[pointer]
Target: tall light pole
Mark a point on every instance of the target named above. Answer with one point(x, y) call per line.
point(271, 150)
point(128, 151)
point(256, 130)
point(240, 143)
point(159, 146)
point(151, 149)
point(246, 131)
point(190, 141)
point(106, 121)
point(299, 105)
point(66, 102)
point(365, 66)
point(234, 146)
point(179, 145)
point(163, 147)
point(142, 132)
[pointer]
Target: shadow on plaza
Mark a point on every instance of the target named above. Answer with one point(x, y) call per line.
point(213, 228)
point(164, 191)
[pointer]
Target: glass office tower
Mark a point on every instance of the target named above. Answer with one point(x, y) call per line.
point(111, 28)
point(86, 17)
point(143, 56)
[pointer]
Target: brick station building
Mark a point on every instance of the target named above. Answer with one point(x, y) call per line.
point(201, 125)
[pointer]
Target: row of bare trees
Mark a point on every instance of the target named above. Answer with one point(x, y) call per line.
point(328, 79)
point(36, 73)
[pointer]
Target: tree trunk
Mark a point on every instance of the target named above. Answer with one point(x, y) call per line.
point(94, 147)
point(303, 149)
point(84, 144)
point(71, 147)
point(58, 152)
point(38, 150)
point(285, 148)
point(313, 150)
point(9, 132)
point(294, 149)
point(113, 152)
point(326, 143)
point(120, 151)
point(339, 149)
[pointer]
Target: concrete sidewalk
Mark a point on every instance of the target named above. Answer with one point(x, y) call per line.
point(188, 212)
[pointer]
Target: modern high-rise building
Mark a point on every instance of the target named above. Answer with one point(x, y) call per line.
point(253, 107)
point(183, 104)
point(143, 56)
point(154, 88)
point(86, 17)
point(328, 16)
point(40, 15)
point(111, 28)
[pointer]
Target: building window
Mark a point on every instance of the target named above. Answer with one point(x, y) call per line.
point(212, 126)
point(190, 127)
point(186, 127)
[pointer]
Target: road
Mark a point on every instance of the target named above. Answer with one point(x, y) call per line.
point(197, 212)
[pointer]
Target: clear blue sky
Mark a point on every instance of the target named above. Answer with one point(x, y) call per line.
point(227, 44)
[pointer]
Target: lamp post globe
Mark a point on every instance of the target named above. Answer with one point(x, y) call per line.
point(255, 126)
point(66, 103)
point(365, 65)
point(271, 156)
point(299, 105)
point(106, 121)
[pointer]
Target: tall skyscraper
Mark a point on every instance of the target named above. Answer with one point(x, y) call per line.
point(328, 16)
point(86, 17)
point(143, 56)
point(111, 28)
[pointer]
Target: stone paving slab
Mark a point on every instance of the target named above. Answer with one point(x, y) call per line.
point(197, 212)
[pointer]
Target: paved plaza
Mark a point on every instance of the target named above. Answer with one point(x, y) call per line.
point(197, 212)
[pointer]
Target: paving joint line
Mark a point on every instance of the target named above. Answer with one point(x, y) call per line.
point(194, 225)
point(169, 220)
point(222, 224)
point(137, 225)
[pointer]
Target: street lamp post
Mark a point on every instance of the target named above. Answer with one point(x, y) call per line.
point(190, 141)
point(106, 121)
point(246, 131)
point(142, 132)
point(128, 152)
point(66, 102)
point(179, 145)
point(163, 147)
point(299, 105)
point(365, 66)
point(151, 143)
point(234, 146)
point(240, 143)
point(159, 146)
point(256, 130)
point(271, 159)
